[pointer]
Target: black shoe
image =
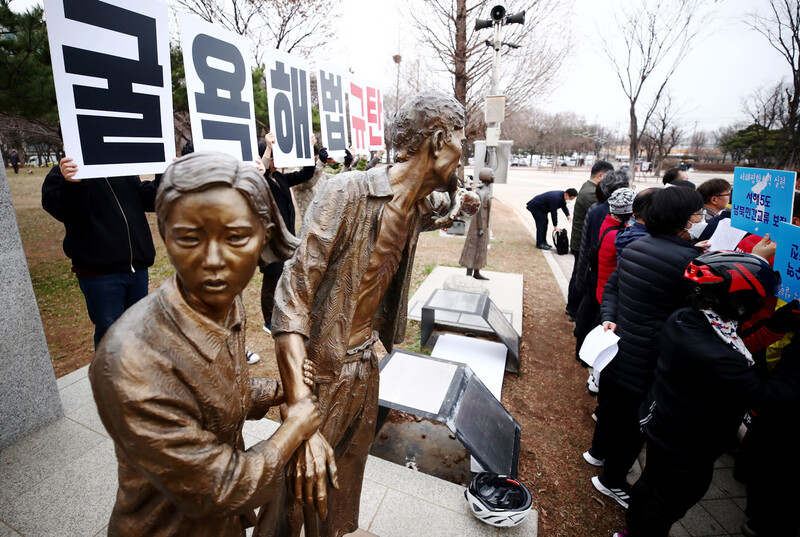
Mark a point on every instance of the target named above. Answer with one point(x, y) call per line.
point(544, 246)
point(478, 276)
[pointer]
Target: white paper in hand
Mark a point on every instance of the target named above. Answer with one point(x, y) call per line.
point(725, 237)
point(599, 348)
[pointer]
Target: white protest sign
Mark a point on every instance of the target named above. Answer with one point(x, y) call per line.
point(366, 116)
point(331, 89)
point(113, 84)
point(289, 95)
point(219, 85)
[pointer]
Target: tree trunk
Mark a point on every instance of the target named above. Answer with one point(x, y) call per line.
point(634, 146)
point(460, 60)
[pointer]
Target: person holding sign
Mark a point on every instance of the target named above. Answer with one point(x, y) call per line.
point(704, 383)
point(170, 378)
point(107, 237)
point(280, 184)
point(344, 289)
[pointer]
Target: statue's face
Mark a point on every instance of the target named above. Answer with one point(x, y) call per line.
point(447, 160)
point(214, 240)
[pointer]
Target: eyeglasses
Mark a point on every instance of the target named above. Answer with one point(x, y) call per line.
point(701, 212)
point(725, 195)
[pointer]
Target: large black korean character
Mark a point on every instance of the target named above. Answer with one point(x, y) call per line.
point(293, 131)
point(333, 110)
point(222, 91)
point(121, 74)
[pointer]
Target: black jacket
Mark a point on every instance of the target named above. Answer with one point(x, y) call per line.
point(703, 387)
point(644, 290)
point(586, 280)
point(106, 228)
point(549, 202)
point(280, 185)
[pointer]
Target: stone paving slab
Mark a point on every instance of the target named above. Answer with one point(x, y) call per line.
point(62, 479)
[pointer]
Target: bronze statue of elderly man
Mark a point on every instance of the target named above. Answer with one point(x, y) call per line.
point(170, 377)
point(345, 288)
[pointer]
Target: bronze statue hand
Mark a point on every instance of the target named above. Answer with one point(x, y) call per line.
point(303, 416)
point(308, 373)
point(315, 461)
point(461, 203)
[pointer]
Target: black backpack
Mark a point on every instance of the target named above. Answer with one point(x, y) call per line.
point(561, 241)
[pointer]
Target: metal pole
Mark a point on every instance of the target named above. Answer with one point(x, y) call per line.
point(491, 152)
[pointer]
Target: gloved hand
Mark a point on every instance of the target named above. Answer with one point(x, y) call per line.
point(323, 154)
point(785, 319)
point(348, 158)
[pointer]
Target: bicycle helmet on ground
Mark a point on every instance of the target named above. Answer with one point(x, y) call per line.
point(733, 284)
point(498, 500)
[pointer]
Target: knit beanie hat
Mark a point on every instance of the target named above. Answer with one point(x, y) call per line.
point(614, 180)
point(621, 201)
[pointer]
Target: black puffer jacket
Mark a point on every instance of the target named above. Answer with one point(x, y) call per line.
point(585, 280)
point(645, 289)
point(106, 228)
point(703, 387)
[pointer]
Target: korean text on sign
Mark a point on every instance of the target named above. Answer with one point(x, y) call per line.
point(366, 116)
point(113, 84)
point(332, 112)
point(289, 94)
point(787, 261)
point(762, 199)
point(220, 90)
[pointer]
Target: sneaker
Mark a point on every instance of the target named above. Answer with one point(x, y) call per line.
point(619, 495)
point(591, 459)
point(268, 329)
point(623, 533)
point(252, 358)
point(591, 385)
point(594, 416)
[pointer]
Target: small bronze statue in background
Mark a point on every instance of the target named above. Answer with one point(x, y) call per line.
point(170, 376)
point(476, 245)
point(345, 288)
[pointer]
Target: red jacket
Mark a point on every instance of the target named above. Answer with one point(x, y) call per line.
point(607, 254)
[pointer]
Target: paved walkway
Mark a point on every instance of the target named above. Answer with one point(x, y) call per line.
point(61, 482)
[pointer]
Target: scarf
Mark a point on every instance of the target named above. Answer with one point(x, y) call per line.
point(726, 330)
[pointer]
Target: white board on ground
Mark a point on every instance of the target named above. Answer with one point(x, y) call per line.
point(416, 382)
point(218, 66)
point(111, 68)
point(487, 359)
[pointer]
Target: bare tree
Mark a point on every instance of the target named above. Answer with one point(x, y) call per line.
point(295, 26)
point(781, 27)
point(446, 29)
point(664, 130)
point(654, 36)
point(724, 135)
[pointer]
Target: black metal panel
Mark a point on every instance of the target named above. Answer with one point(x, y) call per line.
point(480, 422)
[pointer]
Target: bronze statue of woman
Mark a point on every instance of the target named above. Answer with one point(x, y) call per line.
point(170, 377)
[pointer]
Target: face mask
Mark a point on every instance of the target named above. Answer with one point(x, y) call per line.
point(697, 229)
